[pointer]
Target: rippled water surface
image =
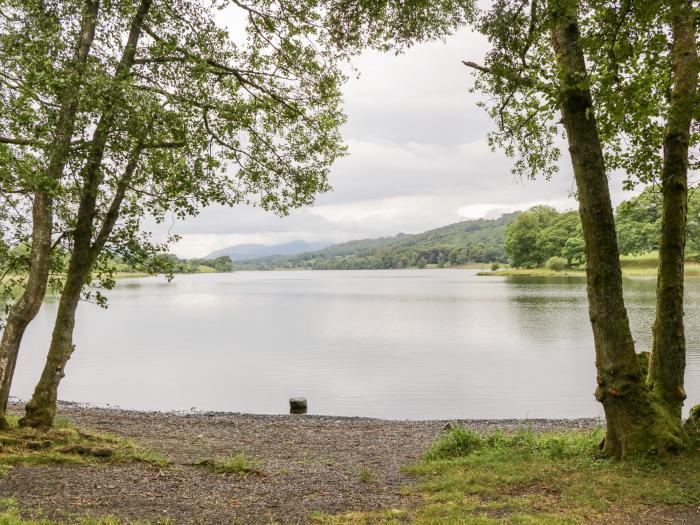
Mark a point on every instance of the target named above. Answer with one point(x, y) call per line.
point(394, 344)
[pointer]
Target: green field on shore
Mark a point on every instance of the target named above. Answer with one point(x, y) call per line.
point(632, 265)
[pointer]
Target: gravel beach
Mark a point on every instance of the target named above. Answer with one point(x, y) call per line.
point(309, 464)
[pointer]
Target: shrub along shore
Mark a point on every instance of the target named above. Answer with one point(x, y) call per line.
point(109, 466)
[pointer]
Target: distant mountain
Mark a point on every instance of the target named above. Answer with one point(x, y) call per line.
point(479, 240)
point(243, 252)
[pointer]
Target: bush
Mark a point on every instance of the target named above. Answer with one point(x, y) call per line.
point(458, 442)
point(495, 267)
point(556, 264)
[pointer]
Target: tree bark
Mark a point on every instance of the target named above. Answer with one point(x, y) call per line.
point(27, 306)
point(667, 365)
point(41, 409)
point(636, 422)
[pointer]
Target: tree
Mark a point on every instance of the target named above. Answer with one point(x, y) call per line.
point(223, 264)
point(639, 222)
point(667, 363)
point(175, 108)
point(542, 233)
point(662, 51)
point(182, 108)
point(522, 237)
point(29, 33)
point(574, 250)
point(552, 240)
point(536, 71)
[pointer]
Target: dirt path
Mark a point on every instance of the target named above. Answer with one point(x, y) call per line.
point(310, 464)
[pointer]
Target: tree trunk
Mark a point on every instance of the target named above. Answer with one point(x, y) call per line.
point(667, 366)
point(636, 423)
point(27, 306)
point(41, 409)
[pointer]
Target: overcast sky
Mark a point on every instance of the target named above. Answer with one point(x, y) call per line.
point(418, 160)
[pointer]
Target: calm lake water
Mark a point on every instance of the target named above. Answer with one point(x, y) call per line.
point(414, 344)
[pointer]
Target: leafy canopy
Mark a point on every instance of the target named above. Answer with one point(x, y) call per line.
point(206, 116)
point(627, 47)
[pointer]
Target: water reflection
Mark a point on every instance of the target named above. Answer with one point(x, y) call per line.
point(398, 344)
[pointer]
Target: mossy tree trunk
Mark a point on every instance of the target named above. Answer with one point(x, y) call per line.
point(667, 365)
point(636, 422)
point(27, 306)
point(41, 409)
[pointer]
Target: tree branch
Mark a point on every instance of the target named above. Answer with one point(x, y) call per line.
point(21, 142)
point(231, 71)
point(512, 76)
point(165, 145)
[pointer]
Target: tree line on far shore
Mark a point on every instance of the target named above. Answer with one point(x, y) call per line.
point(14, 259)
point(528, 239)
point(542, 236)
point(170, 263)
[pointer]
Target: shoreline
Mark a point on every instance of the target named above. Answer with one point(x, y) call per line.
point(309, 464)
point(67, 406)
point(227, 467)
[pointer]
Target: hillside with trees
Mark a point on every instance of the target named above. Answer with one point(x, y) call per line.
point(474, 241)
point(538, 237)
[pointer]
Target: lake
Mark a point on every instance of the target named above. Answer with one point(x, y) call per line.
point(400, 344)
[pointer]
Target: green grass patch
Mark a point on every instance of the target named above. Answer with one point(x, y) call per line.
point(130, 275)
point(644, 261)
point(644, 265)
point(366, 475)
point(65, 444)
point(240, 465)
point(536, 478)
point(536, 272)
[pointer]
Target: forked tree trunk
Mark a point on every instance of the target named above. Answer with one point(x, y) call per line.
point(41, 409)
point(636, 422)
point(27, 306)
point(667, 365)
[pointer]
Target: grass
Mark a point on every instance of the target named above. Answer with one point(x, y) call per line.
point(644, 265)
point(240, 465)
point(65, 444)
point(535, 272)
point(536, 478)
point(130, 275)
point(366, 475)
